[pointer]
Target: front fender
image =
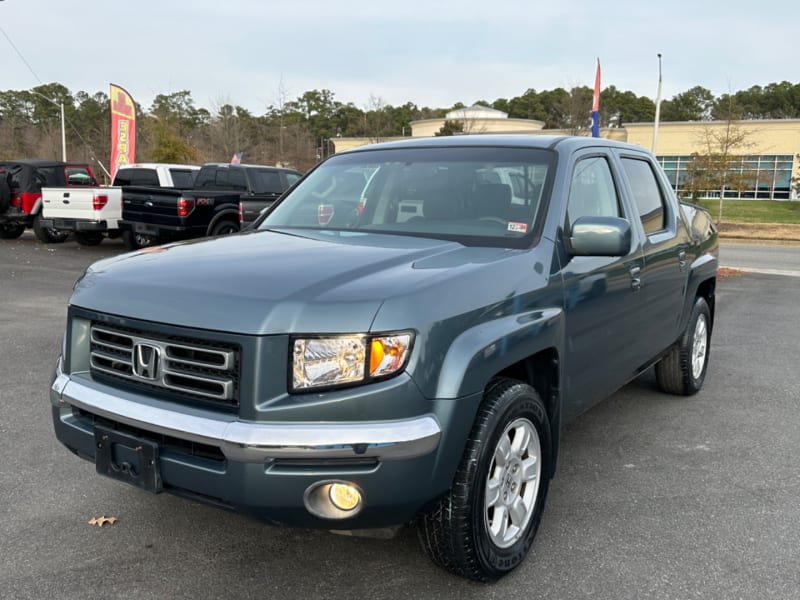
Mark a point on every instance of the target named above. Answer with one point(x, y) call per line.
point(481, 352)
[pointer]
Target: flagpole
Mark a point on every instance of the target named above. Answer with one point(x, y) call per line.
point(658, 106)
point(596, 103)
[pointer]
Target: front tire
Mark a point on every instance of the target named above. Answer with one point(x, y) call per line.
point(48, 235)
point(485, 525)
point(11, 231)
point(683, 370)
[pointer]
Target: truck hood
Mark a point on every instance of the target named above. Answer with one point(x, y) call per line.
point(275, 282)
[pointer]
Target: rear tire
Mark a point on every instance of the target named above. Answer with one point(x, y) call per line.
point(88, 238)
point(48, 235)
point(11, 231)
point(134, 241)
point(224, 228)
point(484, 526)
point(683, 370)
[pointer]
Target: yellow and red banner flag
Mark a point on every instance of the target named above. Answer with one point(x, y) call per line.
point(123, 129)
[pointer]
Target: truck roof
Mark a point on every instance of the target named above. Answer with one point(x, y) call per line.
point(36, 162)
point(249, 166)
point(156, 165)
point(508, 140)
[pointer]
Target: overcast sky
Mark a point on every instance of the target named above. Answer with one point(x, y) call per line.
point(433, 53)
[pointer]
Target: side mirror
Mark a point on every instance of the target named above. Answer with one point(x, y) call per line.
point(600, 236)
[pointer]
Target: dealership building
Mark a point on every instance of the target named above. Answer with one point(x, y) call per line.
point(767, 160)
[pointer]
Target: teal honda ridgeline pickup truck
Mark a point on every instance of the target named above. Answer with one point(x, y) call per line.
point(400, 339)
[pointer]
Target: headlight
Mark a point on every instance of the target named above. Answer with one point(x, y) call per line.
point(347, 359)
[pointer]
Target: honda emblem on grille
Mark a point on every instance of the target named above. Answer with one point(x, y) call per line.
point(146, 360)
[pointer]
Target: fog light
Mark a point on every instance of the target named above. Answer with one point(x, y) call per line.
point(344, 496)
point(334, 499)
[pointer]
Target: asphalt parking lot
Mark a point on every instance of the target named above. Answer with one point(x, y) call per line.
point(656, 496)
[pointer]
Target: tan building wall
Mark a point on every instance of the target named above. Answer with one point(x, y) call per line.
point(683, 139)
point(346, 143)
point(764, 137)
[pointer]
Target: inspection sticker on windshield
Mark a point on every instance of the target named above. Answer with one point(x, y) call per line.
point(324, 214)
point(517, 227)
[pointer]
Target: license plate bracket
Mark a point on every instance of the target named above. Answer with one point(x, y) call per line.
point(127, 458)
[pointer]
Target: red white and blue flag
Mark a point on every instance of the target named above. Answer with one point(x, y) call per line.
point(596, 103)
point(236, 159)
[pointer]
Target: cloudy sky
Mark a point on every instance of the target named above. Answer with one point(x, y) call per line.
point(433, 52)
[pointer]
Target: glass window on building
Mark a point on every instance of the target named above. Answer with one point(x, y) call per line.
point(763, 177)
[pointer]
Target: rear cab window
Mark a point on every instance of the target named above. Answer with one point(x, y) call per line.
point(183, 179)
point(137, 176)
point(221, 178)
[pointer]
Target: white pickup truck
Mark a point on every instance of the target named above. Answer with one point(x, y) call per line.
point(93, 213)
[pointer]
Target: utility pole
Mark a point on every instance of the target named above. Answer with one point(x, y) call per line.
point(63, 128)
point(63, 135)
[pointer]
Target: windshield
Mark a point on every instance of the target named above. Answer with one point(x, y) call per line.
point(477, 196)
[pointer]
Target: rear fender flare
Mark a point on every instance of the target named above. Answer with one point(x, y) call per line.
point(224, 215)
point(37, 207)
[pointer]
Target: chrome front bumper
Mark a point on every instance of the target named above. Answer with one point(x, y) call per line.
point(255, 442)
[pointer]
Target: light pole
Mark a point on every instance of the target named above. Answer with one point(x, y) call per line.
point(63, 135)
point(658, 106)
point(63, 128)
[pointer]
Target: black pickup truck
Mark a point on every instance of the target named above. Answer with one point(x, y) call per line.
point(151, 216)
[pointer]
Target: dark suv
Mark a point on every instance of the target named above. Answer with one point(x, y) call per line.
point(21, 183)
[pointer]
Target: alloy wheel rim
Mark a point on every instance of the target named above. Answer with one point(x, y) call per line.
point(512, 484)
point(699, 346)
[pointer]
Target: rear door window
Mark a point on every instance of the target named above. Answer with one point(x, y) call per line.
point(647, 194)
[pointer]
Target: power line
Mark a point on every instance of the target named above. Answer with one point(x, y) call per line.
point(22, 58)
point(71, 124)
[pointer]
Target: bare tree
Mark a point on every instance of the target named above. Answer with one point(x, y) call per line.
point(376, 120)
point(719, 165)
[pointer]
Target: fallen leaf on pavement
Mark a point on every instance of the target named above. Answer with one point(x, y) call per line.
point(100, 521)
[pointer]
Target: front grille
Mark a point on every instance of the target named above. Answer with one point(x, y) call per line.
point(190, 368)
